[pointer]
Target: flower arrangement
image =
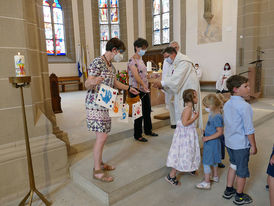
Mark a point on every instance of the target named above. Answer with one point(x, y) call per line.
point(122, 77)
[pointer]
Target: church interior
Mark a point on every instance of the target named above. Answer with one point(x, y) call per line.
point(42, 104)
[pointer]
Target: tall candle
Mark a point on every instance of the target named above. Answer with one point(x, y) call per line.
point(19, 61)
point(149, 68)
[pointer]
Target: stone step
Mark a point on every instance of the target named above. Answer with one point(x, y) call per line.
point(137, 165)
point(81, 139)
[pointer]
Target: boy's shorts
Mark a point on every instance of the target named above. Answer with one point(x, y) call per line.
point(240, 158)
point(270, 169)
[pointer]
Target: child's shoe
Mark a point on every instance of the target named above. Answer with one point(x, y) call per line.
point(221, 165)
point(229, 193)
point(172, 180)
point(242, 199)
point(203, 185)
point(215, 179)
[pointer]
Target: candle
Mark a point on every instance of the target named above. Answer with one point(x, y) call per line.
point(19, 61)
point(149, 68)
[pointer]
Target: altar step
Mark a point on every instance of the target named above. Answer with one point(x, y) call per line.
point(81, 141)
point(137, 165)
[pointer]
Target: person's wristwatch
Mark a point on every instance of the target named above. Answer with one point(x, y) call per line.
point(128, 88)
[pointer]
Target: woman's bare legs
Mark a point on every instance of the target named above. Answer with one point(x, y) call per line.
point(101, 139)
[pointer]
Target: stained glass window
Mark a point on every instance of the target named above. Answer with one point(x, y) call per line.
point(54, 28)
point(161, 22)
point(109, 21)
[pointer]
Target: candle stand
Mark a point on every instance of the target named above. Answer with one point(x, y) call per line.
point(20, 82)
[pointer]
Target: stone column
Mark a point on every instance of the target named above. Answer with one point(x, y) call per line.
point(176, 21)
point(142, 18)
point(255, 28)
point(130, 27)
point(21, 24)
point(88, 30)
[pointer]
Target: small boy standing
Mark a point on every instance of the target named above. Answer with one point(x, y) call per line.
point(239, 138)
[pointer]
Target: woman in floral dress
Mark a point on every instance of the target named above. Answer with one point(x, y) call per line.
point(102, 71)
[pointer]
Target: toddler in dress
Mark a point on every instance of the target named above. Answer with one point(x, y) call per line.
point(212, 143)
point(184, 153)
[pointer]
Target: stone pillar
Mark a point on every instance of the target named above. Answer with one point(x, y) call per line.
point(88, 30)
point(255, 28)
point(176, 21)
point(142, 18)
point(130, 27)
point(22, 30)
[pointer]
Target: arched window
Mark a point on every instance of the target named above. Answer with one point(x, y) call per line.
point(161, 22)
point(109, 21)
point(54, 28)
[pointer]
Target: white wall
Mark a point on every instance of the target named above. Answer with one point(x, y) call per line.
point(66, 69)
point(212, 57)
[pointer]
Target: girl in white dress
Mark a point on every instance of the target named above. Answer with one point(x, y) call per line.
point(184, 153)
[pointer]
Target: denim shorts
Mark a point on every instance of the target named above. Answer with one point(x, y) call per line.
point(240, 158)
point(270, 169)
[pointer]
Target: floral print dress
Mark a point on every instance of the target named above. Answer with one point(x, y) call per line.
point(98, 119)
point(184, 153)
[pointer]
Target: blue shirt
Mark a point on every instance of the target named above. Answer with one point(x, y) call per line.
point(213, 122)
point(238, 119)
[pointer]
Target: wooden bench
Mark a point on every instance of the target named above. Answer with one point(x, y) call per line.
point(63, 81)
point(211, 83)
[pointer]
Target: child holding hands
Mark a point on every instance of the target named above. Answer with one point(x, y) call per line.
point(211, 139)
point(184, 153)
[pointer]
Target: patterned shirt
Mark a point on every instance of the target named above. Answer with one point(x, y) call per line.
point(142, 71)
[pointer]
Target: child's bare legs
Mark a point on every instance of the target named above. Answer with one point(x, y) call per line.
point(230, 177)
point(207, 178)
point(240, 184)
point(172, 173)
point(215, 171)
point(270, 182)
point(207, 171)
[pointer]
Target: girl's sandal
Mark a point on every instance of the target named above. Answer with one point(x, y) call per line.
point(107, 167)
point(103, 178)
point(172, 180)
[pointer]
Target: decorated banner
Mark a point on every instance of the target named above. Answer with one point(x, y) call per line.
point(137, 110)
point(116, 111)
point(124, 117)
point(106, 96)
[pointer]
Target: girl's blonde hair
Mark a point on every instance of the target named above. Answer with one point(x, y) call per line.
point(212, 100)
point(188, 96)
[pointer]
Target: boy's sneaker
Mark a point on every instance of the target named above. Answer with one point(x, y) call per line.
point(244, 199)
point(228, 194)
point(203, 185)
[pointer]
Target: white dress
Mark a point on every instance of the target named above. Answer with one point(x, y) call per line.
point(184, 153)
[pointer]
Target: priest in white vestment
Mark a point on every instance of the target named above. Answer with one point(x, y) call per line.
point(182, 77)
point(169, 97)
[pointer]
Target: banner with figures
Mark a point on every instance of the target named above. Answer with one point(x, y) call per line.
point(137, 110)
point(116, 111)
point(106, 96)
point(124, 117)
